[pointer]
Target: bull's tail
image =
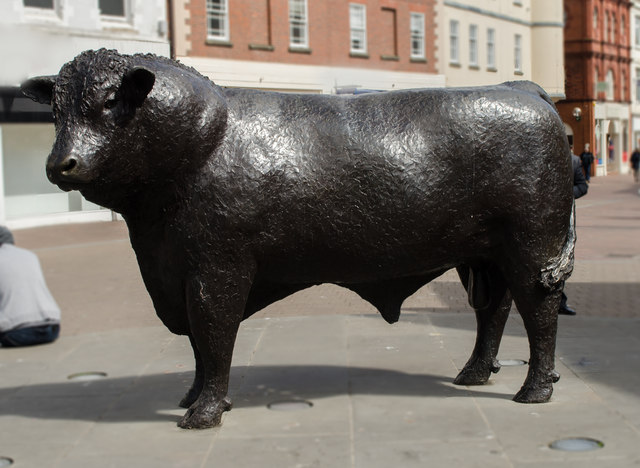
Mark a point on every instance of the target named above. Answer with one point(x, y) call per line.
point(561, 267)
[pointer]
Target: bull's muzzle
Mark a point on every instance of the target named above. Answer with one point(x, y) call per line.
point(67, 170)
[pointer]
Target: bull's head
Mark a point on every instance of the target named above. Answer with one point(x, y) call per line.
point(84, 129)
point(125, 124)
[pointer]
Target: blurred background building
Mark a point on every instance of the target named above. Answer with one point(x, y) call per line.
point(597, 48)
point(321, 46)
point(36, 38)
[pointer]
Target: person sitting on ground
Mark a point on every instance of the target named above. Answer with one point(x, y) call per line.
point(28, 313)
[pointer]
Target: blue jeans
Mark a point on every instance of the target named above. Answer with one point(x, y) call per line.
point(30, 336)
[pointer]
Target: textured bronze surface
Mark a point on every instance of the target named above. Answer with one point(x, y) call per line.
point(235, 199)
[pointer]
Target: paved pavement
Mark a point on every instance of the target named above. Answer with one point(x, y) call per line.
point(379, 395)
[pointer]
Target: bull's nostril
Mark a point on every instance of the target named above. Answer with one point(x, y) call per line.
point(68, 165)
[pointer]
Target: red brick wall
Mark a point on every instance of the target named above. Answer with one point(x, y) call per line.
point(587, 48)
point(329, 41)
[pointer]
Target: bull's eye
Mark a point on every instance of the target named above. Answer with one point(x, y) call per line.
point(110, 103)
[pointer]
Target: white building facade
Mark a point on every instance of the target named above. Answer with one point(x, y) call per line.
point(492, 41)
point(36, 38)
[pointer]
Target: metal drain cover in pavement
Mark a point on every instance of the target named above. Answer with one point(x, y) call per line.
point(512, 362)
point(576, 444)
point(290, 405)
point(87, 376)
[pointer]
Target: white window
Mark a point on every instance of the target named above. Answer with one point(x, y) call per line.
point(491, 48)
point(298, 24)
point(473, 45)
point(417, 36)
point(637, 84)
point(454, 53)
point(358, 25)
point(610, 86)
point(218, 20)
point(636, 29)
point(112, 8)
point(517, 53)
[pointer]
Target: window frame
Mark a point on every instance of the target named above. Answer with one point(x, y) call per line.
point(610, 78)
point(117, 19)
point(454, 42)
point(53, 14)
point(302, 24)
point(222, 13)
point(473, 45)
point(420, 52)
point(491, 49)
point(359, 9)
point(517, 53)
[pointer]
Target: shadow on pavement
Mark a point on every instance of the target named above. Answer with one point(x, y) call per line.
point(155, 397)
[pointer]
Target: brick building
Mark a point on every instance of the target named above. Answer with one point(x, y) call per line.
point(333, 46)
point(597, 67)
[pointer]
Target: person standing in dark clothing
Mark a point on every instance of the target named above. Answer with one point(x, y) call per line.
point(587, 160)
point(580, 188)
point(635, 163)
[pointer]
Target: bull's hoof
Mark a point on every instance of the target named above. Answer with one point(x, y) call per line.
point(189, 399)
point(203, 416)
point(534, 393)
point(476, 372)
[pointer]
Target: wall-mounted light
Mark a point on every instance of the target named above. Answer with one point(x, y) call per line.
point(577, 113)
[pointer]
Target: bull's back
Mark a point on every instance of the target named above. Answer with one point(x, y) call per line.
point(390, 176)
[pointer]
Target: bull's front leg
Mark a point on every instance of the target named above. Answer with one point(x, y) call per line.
point(198, 380)
point(215, 307)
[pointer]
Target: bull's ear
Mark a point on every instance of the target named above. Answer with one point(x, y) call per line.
point(40, 88)
point(137, 84)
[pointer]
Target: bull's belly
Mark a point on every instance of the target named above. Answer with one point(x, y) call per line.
point(353, 267)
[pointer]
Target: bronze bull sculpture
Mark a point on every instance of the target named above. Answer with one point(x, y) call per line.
point(236, 198)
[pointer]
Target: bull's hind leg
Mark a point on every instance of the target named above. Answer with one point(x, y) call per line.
point(538, 307)
point(491, 319)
